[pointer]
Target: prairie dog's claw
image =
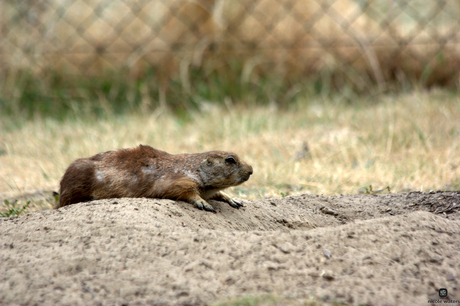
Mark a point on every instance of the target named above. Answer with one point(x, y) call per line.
point(204, 205)
point(235, 203)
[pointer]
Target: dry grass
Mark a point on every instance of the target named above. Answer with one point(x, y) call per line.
point(406, 142)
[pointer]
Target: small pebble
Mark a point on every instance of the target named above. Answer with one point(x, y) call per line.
point(328, 276)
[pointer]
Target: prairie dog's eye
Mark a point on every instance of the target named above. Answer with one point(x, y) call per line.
point(230, 160)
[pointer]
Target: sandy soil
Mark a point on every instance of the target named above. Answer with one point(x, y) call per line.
point(394, 249)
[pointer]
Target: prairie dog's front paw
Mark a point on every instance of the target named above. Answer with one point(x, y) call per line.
point(202, 204)
point(226, 198)
point(235, 203)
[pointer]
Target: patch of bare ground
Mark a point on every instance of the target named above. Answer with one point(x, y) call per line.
point(392, 249)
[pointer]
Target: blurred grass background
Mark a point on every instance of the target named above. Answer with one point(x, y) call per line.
point(322, 96)
point(59, 57)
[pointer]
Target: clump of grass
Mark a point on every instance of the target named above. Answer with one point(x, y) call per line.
point(275, 300)
point(370, 190)
point(14, 208)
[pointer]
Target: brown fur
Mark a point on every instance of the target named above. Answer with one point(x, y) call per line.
point(147, 172)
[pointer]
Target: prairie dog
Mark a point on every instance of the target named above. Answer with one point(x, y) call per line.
point(147, 172)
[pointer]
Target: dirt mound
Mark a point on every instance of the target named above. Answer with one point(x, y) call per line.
point(359, 249)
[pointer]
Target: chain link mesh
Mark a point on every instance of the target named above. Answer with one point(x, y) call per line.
point(363, 39)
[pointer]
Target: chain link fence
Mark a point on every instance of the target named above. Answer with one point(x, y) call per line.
point(361, 41)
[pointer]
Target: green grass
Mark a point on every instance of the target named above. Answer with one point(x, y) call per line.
point(13, 209)
point(274, 300)
point(56, 95)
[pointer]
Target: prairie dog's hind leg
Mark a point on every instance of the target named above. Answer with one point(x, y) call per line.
point(77, 183)
point(222, 196)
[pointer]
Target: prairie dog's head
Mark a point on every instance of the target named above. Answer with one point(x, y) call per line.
point(220, 169)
